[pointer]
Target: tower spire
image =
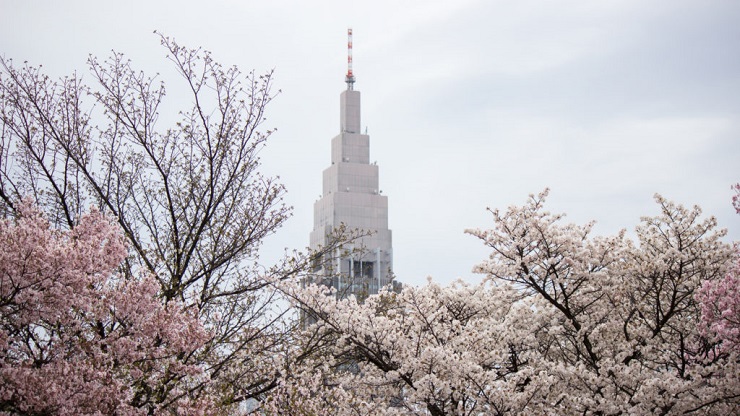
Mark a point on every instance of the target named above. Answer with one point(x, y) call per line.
point(350, 78)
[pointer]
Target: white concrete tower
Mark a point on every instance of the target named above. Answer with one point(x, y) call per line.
point(351, 196)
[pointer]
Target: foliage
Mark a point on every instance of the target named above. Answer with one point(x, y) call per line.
point(563, 322)
point(78, 338)
point(189, 197)
point(720, 301)
point(720, 313)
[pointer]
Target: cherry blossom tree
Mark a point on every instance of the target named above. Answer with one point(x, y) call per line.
point(77, 337)
point(720, 301)
point(189, 196)
point(563, 322)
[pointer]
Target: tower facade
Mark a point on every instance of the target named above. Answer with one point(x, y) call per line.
point(351, 197)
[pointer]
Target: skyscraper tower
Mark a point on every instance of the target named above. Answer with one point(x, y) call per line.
point(351, 196)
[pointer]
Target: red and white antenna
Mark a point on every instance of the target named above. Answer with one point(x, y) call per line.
point(350, 78)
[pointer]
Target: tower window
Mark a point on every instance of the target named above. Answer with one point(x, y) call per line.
point(363, 269)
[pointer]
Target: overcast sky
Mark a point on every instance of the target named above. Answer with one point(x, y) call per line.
point(468, 104)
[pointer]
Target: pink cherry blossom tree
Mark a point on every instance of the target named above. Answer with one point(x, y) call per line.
point(720, 301)
point(720, 313)
point(77, 337)
point(182, 179)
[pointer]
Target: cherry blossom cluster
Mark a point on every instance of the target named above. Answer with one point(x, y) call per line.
point(720, 300)
point(76, 337)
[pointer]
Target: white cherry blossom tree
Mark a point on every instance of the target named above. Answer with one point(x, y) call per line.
point(563, 322)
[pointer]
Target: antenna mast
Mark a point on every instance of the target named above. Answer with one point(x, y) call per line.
point(350, 78)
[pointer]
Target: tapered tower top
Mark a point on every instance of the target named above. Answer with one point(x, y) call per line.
point(350, 78)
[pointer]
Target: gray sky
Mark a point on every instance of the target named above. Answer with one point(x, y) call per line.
point(468, 104)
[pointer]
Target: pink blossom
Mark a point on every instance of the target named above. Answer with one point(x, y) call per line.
point(76, 337)
point(720, 312)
